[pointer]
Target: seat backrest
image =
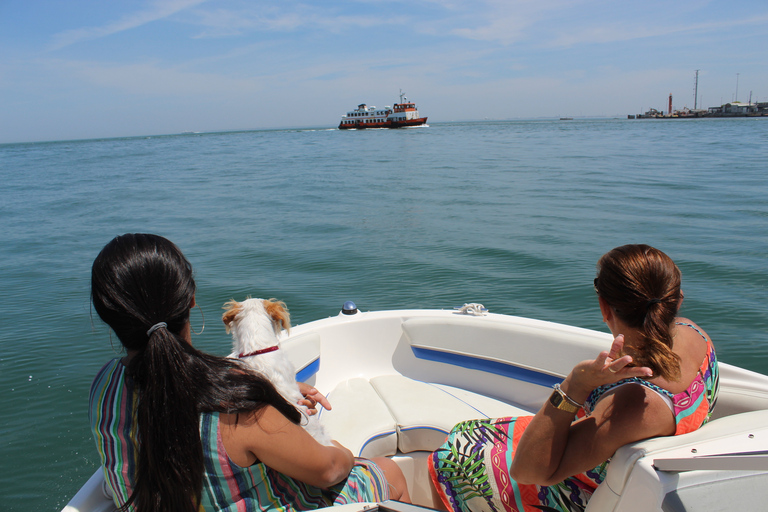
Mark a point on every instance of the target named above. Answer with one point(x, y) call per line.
point(745, 432)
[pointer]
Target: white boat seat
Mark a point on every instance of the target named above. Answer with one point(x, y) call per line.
point(391, 412)
point(360, 420)
point(731, 434)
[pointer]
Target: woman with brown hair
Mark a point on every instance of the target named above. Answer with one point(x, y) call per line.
point(659, 378)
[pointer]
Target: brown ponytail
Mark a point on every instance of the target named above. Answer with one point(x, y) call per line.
point(642, 285)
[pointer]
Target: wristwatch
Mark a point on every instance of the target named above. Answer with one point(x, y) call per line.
point(560, 400)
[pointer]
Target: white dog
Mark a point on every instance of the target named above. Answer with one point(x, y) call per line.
point(255, 325)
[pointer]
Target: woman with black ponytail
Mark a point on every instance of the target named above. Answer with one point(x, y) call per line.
point(659, 378)
point(181, 430)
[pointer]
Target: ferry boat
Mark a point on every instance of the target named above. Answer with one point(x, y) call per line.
point(404, 114)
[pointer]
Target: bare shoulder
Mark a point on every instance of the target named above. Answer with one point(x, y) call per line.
point(696, 327)
point(244, 434)
point(625, 414)
point(690, 343)
point(638, 410)
point(266, 420)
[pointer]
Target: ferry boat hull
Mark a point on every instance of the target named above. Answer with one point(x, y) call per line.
point(359, 125)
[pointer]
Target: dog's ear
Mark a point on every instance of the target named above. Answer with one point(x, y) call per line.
point(279, 313)
point(232, 309)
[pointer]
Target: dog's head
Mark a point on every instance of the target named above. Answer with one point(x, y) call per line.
point(273, 308)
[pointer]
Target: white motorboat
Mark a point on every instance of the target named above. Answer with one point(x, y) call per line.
point(399, 380)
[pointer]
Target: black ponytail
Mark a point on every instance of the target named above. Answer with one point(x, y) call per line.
point(138, 283)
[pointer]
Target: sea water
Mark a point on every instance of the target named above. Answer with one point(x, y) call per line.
point(513, 215)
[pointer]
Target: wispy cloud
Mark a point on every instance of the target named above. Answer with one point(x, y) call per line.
point(158, 10)
point(610, 34)
point(502, 22)
point(286, 17)
point(233, 22)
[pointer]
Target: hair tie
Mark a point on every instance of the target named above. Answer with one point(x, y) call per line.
point(652, 302)
point(156, 327)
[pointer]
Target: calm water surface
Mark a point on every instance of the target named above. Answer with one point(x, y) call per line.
point(510, 214)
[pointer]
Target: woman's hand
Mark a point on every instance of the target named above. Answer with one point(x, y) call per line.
point(607, 368)
point(312, 397)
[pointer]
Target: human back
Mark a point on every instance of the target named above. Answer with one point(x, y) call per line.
point(142, 286)
point(640, 295)
point(148, 409)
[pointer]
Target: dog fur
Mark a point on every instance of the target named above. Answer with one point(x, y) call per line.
point(255, 325)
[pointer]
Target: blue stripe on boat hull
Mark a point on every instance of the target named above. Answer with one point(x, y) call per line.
point(308, 371)
point(485, 365)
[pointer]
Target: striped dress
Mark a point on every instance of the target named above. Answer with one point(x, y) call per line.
point(226, 486)
point(471, 469)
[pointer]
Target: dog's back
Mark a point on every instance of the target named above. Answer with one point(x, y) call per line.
point(255, 325)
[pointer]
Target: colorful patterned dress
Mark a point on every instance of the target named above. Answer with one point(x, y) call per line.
point(471, 469)
point(226, 486)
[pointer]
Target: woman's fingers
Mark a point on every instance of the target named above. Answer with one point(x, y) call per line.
point(312, 397)
point(617, 364)
point(616, 347)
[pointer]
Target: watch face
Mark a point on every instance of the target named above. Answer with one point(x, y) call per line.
point(558, 401)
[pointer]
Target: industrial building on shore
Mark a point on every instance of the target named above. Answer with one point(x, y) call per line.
point(733, 109)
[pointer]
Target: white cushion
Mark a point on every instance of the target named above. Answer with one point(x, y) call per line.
point(425, 413)
point(360, 420)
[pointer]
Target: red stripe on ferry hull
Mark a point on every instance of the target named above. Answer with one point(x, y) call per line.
point(409, 122)
point(386, 124)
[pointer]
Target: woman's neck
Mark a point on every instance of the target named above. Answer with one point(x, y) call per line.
point(634, 342)
point(126, 359)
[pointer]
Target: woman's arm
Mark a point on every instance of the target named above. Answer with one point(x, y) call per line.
point(553, 447)
point(274, 440)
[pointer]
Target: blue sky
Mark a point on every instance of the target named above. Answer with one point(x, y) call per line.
point(88, 69)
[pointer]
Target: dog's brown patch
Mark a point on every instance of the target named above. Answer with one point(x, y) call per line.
point(232, 309)
point(279, 313)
